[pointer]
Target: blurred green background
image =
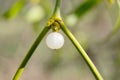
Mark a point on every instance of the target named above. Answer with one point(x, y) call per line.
point(90, 21)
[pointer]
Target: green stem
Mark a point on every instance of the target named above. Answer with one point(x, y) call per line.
point(56, 12)
point(30, 53)
point(117, 25)
point(81, 51)
point(115, 28)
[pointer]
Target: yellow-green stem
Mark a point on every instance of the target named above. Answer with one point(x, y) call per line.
point(30, 53)
point(56, 17)
point(81, 51)
point(56, 14)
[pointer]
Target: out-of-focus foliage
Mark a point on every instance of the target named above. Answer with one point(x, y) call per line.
point(81, 10)
point(114, 6)
point(15, 9)
point(91, 21)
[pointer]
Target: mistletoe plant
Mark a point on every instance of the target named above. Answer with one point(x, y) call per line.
point(55, 23)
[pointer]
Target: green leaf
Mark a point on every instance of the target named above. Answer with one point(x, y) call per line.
point(81, 10)
point(86, 6)
point(14, 10)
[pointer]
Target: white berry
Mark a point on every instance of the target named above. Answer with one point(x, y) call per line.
point(55, 40)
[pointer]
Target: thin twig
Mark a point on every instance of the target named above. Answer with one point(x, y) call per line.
point(30, 53)
point(81, 51)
